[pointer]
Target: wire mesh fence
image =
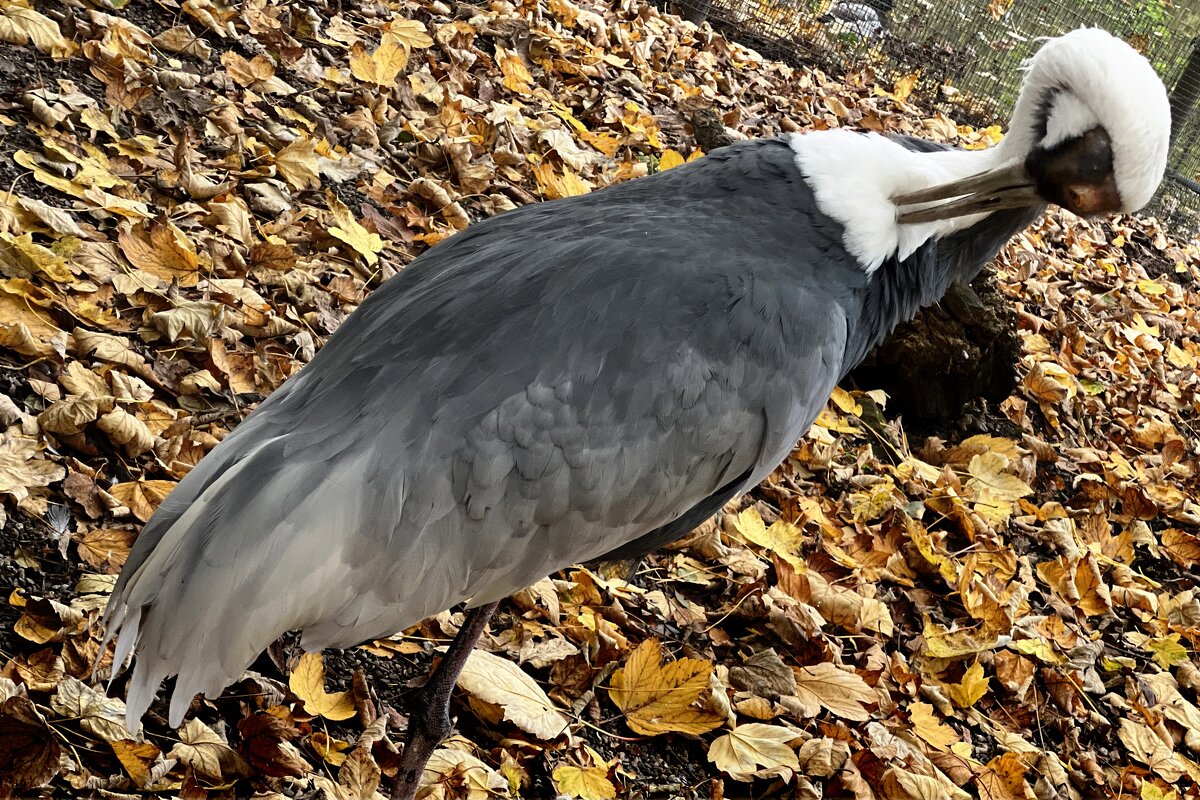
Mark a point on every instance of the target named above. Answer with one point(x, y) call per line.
point(969, 53)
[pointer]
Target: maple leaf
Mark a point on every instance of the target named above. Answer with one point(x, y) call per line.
point(586, 783)
point(826, 687)
point(749, 747)
point(208, 754)
point(307, 682)
point(974, 685)
point(142, 497)
point(660, 698)
point(101, 716)
point(782, 538)
point(382, 66)
point(22, 468)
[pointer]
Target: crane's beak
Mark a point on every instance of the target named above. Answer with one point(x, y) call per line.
point(1009, 186)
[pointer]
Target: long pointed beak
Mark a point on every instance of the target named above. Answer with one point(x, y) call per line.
point(1005, 187)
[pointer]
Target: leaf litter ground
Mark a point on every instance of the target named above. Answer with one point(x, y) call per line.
point(197, 194)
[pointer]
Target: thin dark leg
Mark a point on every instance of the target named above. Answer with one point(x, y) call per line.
point(429, 711)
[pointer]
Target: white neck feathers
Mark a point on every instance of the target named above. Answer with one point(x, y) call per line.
point(854, 177)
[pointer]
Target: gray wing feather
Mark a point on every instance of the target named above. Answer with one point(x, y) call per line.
point(539, 390)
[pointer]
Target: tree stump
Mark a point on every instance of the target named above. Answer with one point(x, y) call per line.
point(964, 348)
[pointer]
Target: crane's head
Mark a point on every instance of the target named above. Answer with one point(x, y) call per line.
point(1090, 133)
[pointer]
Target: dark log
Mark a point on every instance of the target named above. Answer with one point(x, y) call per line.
point(964, 348)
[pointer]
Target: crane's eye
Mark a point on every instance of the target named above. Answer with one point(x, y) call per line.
point(1077, 173)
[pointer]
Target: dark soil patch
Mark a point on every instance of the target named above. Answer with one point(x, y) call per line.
point(30, 561)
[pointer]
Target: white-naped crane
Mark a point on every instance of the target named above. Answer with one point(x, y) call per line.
point(591, 378)
point(864, 19)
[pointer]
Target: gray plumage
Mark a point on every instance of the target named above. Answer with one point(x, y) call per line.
point(567, 381)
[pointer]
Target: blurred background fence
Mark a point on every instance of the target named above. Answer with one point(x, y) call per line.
point(969, 53)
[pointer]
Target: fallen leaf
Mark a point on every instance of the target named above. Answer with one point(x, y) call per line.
point(660, 698)
point(349, 230)
point(586, 783)
point(500, 682)
point(753, 746)
point(307, 682)
point(29, 752)
point(825, 687)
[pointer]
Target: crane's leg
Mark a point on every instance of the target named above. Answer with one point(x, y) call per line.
point(429, 711)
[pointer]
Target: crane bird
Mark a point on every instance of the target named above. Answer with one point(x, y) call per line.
point(591, 378)
point(864, 20)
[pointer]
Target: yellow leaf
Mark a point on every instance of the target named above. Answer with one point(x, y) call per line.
point(348, 229)
point(20, 255)
point(586, 783)
point(1166, 651)
point(781, 538)
point(845, 402)
point(1039, 649)
point(1049, 383)
point(298, 163)
point(943, 643)
point(410, 32)
point(136, 758)
point(658, 698)
point(307, 682)
point(927, 726)
point(1003, 779)
point(669, 159)
point(905, 84)
point(500, 682)
point(555, 186)
point(142, 497)
point(332, 751)
point(382, 66)
point(974, 685)
point(747, 748)
point(516, 74)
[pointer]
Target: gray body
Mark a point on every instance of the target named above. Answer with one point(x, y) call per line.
point(568, 381)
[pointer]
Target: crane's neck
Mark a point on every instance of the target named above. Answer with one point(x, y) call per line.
point(854, 177)
point(896, 292)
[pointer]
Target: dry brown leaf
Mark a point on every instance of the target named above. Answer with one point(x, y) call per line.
point(826, 687)
point(22, 468)
point(101, 716)
point(164, 252)
point(105, 547)
point(29, 751)
point(142, 497)
point(207, 753)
